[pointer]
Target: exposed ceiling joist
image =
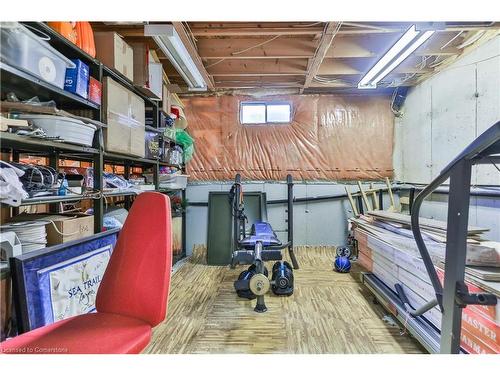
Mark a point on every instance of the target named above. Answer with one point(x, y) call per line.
point(325, 42)
point(193, 53)
point(258, 48)
point(255, 67)
point(314, 30)
point(233, 55)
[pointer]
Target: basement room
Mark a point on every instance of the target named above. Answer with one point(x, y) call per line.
point(222, 183)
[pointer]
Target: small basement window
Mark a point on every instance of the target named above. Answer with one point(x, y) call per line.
point(261, 113)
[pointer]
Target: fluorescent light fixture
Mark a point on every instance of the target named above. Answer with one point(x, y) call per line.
point(403, 56)
point(171, 45)
point(388, 62)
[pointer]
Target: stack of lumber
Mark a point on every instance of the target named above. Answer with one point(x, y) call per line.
point(388, 250)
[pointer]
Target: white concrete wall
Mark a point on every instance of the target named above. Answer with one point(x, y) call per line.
point(445, 113)
point(441, 116)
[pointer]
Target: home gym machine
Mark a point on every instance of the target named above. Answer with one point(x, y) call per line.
point(454, 296)
point(259, 245)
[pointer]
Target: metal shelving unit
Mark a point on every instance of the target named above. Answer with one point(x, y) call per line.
point(32, 144)
point(49, 199)
point(26, 86)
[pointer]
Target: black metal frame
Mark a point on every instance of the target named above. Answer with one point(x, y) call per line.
point(454, 295)
point(239, 219)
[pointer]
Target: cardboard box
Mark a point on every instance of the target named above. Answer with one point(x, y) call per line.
point(148, 74)
point(77, 79)
point(112, 50)
point(95, 91)
point(480, 334)
point(125, 117)
point(166, 100)
point(473, 344)
point(68, 228)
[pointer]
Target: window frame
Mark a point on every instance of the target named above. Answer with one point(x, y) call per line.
point(265, 104)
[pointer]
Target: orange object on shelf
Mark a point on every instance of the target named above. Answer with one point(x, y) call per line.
point(66, 29)
point(85, 37)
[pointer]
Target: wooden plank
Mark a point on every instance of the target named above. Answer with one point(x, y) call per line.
point(424, 223)
point(365, 198)
point(260, 31)
point(484, 273)
point(335, 67)
point(255, 31)
point(374, 195)
point(230, 48)
point(331, 30)
point(280, 48)
point(351, 201)
point(193, 53)
point(258, 67)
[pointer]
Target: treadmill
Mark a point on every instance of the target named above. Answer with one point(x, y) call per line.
point(454, 295)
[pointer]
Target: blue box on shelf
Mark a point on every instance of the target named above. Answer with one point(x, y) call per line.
point(77, 79)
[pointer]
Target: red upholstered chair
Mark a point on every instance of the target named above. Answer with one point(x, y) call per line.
point(132, 297)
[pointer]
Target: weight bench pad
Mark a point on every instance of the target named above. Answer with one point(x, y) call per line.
point(261, 232)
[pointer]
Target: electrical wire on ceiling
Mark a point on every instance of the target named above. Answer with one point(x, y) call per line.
point(188, 31)
point(256, 81)
point(255, 46)
point(337, 28)
point(307, 25)
point(326, 81)
point(451, 40)
point(422, 64)
point(367, 26)
point(235, 53)
point(472, 39)
point(436, 62)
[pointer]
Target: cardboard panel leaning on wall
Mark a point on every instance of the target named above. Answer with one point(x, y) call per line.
point(329, 138)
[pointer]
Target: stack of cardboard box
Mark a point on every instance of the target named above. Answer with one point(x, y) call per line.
point(392, 255)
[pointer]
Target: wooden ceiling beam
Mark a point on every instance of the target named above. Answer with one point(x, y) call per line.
point(257, 85)
point(280, 48)
point(336, 67)
point(255, 31)
point(290, 31)
point(193, 53)
point(256, 67)
point(325, 42)
point(259, 31)
point(450, 51)
point(257, 74)
point(241, 48)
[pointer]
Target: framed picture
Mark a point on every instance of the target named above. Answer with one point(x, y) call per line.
point(61, 281)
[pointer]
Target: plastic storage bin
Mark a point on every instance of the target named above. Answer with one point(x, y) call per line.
point(173, 181)
point(169, 181)
point(25, 50)
point(68, 129)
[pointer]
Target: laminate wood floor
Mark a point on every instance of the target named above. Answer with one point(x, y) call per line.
point(328, 313)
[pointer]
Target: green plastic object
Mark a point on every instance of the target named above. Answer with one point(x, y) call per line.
point(186, 141)
point(220, 223)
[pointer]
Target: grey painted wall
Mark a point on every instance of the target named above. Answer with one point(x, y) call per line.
point(483, 212)
point(315, 223)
